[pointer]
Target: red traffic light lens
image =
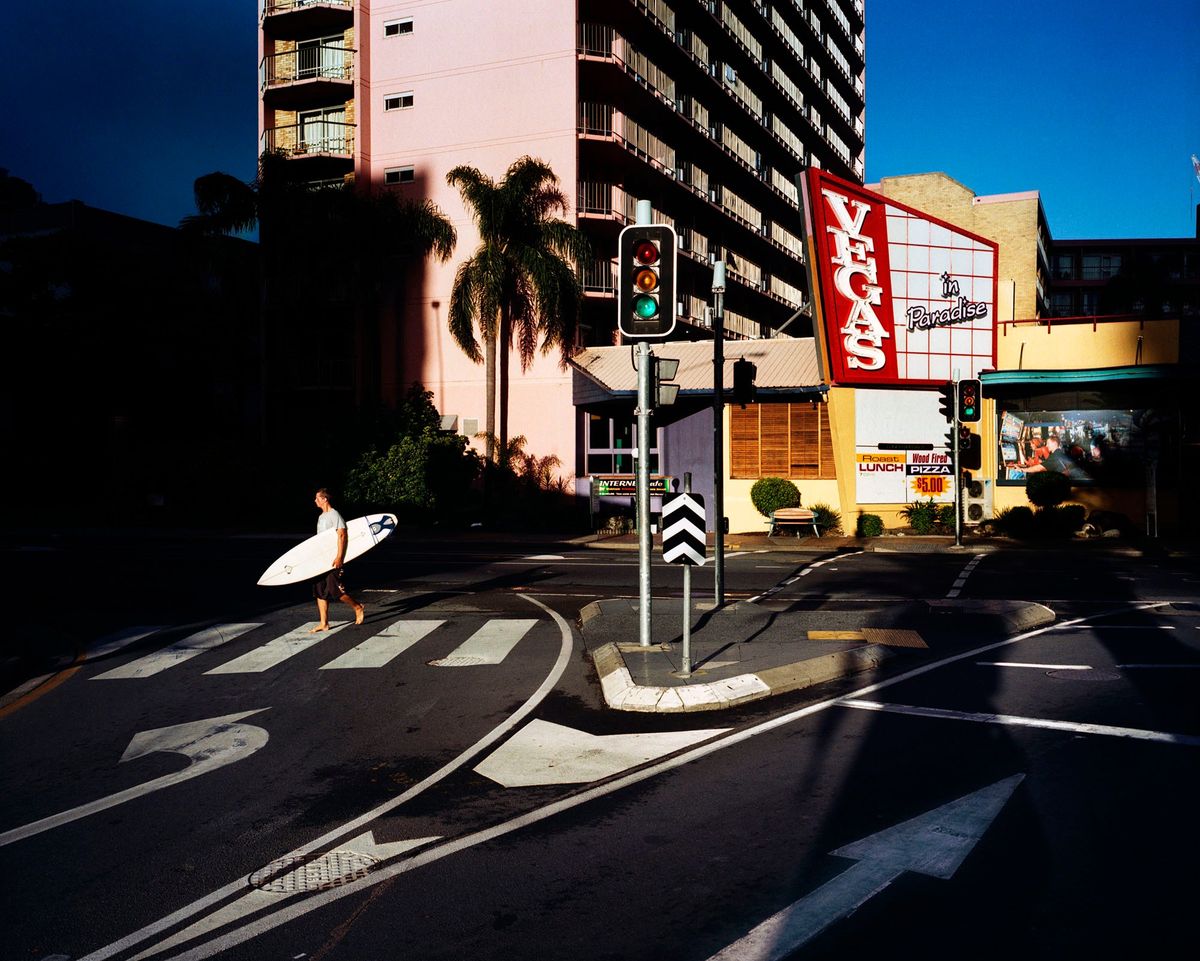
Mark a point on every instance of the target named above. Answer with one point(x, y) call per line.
point(646, 252)
point(645, 279)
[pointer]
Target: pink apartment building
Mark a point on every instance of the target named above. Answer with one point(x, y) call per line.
point(708, 109)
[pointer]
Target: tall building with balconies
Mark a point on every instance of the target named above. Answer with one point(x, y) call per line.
point(708, 108)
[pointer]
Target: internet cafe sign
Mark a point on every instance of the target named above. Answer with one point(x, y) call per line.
point(899, 297)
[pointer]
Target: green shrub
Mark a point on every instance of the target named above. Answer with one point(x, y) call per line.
point(921, 516)
point(1016, 521)
point(772, 493)
point(828, 520)
point(869, 525)
point(1047, 488)
point(945, 517)
point(1061, 521)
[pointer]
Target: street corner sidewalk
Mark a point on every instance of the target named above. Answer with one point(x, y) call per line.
point(743, 652)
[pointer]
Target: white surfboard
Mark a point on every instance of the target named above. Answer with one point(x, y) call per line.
point(315, 555)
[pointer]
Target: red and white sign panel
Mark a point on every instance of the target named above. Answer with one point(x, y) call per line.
point(905, 298)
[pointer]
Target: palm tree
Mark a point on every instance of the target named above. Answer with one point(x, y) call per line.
point(520, 284)
point(367, 239)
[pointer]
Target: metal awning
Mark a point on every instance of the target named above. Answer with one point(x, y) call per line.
point(1093, 375)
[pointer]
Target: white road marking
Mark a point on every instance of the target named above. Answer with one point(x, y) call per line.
point(207, 744)
point(1163, 667)
point(546, 753)
point(1116, 627)
point(111, 643)
point(804, 573)
point(961, 580)
point(1044, 667)
point(391, 642)
point(934, 844)
point(276, 651)
point(491, 644)
point(266, 923)
point(1074, 727)
point(545, 557)
point(178, 652)
point(430, 855)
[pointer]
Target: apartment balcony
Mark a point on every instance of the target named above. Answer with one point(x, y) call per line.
point(297, 18)
point(308, 75)
point(326, 147)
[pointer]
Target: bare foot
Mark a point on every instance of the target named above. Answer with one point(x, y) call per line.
point(318, 628)
point(359, 613)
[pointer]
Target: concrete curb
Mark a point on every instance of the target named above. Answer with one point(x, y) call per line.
point(622, 694)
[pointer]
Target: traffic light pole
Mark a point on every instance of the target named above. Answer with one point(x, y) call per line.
point(956, 480)
point(718, 289)
point(645, 376)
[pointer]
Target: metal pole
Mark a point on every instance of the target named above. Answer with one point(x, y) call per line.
point(718, 289)
point(957, 473)
point(686, 667)
point(643, 490)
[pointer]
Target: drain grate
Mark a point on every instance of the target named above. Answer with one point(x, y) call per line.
point(460, 660)
point(292, 874)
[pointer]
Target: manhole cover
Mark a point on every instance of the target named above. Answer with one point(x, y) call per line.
point(1085, 675)
point(460, 661)
point(291, 874)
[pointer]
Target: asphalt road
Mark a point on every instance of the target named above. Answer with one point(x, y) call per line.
point(1030, 795)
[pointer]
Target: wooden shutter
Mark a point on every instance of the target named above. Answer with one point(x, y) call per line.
point(773, 439)
point(743, 441)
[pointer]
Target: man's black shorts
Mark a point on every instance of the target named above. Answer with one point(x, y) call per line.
point(331, 586)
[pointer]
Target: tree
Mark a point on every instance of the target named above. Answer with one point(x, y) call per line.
point(520, 283)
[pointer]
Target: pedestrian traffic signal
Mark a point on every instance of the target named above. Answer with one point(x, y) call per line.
point(744, 389)
point(646, 284)
point(946, 402)
point(970, 397)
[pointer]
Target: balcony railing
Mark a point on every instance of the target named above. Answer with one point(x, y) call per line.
point(307, 63)
point(311, 138)
point(268, 7)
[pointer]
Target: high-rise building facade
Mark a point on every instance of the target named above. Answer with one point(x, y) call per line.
point(707, 108)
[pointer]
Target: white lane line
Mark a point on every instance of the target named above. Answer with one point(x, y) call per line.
point(491, 644)
point(1043, 667)
point(1163, 667)
point(961, 580)
point(389, 643)
point(178, 652)
point(1010, 720)
point(350, 828)
point(276, 651)
point(804, 573)
point(1117, 627)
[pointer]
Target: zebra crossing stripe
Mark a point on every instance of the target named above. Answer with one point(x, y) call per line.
point(491, 644)
point(392, 641)
point(178, 652)
point(276, 651)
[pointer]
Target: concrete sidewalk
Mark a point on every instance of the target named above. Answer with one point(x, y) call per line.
point(744, 652)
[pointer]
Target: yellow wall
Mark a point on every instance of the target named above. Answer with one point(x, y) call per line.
point(1077, 346)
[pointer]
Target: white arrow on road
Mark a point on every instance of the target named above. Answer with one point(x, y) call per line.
point(934, 843)
point(207, 744)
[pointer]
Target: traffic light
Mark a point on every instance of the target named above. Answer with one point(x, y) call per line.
point(744, 388)
point(646, 284)
point(946, 402)
point(970, 398)
point(970, 450)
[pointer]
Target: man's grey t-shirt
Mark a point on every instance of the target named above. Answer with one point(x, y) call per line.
point(330, 520)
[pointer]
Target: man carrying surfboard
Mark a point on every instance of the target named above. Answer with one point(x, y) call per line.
point(329, 585)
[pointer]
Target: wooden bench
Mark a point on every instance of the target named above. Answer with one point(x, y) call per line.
point(800, 516)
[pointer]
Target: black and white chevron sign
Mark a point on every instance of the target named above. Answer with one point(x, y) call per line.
point(683, 528)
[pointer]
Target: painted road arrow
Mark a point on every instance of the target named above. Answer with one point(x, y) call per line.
point(935, 843)
point(207, 744)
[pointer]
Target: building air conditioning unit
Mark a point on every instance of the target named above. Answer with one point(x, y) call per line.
point(977, 501)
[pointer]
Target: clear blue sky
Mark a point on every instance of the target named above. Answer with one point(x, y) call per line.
point(1096, 105)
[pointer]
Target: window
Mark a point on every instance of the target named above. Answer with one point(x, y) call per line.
point(610, 445)
point(399, 175)
point(781, 440)
point(398, 28)
point(398, 101)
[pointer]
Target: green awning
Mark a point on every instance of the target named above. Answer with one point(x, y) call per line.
point(1091, 375)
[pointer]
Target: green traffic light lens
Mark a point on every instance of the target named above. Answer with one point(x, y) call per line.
point(645, 307)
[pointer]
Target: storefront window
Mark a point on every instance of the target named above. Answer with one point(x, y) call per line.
point(611, 442)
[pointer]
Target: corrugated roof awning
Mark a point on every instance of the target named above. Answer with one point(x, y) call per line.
point(784, 366)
